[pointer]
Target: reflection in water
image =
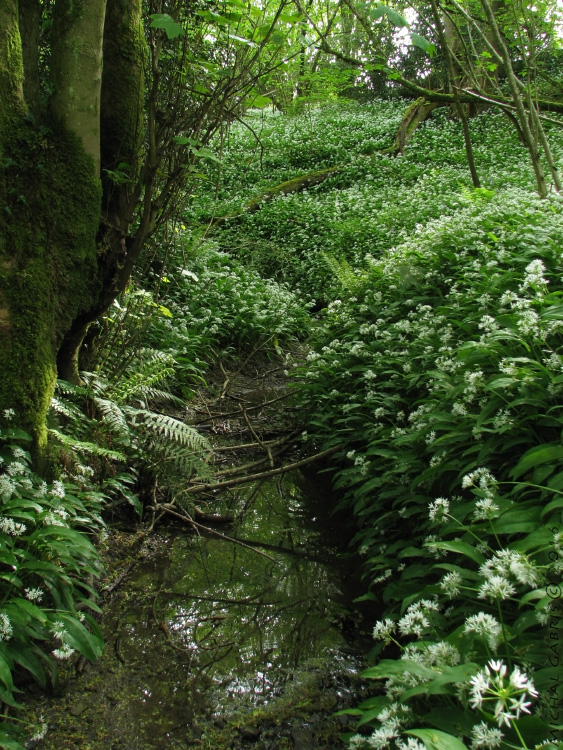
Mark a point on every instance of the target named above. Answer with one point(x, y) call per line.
point(209, 626)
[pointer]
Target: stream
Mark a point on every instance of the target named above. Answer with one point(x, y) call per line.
point(218, 645)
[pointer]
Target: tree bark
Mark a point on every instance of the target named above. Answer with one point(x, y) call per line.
point(531, 142)
point(121, 131)
point(76, 70)
point(50, 201)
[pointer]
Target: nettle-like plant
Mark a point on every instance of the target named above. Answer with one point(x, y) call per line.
point(440, 382)
point(48, 564)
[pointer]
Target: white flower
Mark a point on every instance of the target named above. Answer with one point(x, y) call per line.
point(16, 468)
point(9, 414)
point(41, 491)
point(483, 736)
point(485, 508)
point(17, 452)
point(496, 587)
point(511, 563)
point(410, 744)
point(41, 731)
point(485, 626)
point(58, 629)
point(384, 629)
point(5, 627)
point(509, 695)
point(441, 654)
point(11, 527)
point(64, 652)
point(450, 584)
point(439, 509)
point(57, 489)
point(34, 595)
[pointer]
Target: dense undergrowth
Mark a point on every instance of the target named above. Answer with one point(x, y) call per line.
point(435, 370)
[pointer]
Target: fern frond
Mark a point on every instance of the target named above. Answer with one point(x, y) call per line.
point(158, 367)
point(94, 383)
point(114, 418)
point(70, 389)
point(81, 446)
point(155, 394)
point(172, 430)
point(66, 408)
point(350, 279)
point(179, 463)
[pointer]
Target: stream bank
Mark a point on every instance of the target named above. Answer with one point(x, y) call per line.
point(239, 632)
point(214, 645)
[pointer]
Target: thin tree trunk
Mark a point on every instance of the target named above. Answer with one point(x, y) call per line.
point(453, 75)
point(513, 85)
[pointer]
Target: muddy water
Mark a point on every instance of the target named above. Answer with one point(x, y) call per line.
point(204, 629)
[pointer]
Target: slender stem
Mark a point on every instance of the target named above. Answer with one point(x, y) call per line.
point(515, 727)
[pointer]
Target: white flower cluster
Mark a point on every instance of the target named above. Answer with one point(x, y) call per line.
point(415, 620)
point(11, 527)
point(485, 626)
point(508, 693)
point(5, 627)
point(439, 510)
point(505, 568)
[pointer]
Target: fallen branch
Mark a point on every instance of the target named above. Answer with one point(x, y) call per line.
point(270, 443)
point(262, 475)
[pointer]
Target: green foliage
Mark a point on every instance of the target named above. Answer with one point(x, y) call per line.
point(215, 301)
point(49, 563)
point(441, 380)
point(372, 203)
point(117, 422)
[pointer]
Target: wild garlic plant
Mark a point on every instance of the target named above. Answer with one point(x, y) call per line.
point(472, 641)
point(439, 383)
point(49, 563)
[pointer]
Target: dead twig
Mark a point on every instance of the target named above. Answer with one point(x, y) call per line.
point(257, 437)
point(270, 443)
point(237, 412)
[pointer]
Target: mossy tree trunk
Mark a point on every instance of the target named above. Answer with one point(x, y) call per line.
point(121, 138)
point(53, 242)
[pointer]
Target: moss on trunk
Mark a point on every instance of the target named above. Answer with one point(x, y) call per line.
point(50, 202)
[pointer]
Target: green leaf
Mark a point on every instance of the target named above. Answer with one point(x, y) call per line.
point(79, 638)
point(434, 739)
point(6, 673)
point(384, 10)
point(424, 44)
point(539, 454)
point(449, 675)
point(463, 548)
point(28, 660)
point(259, 102)
point(391, 667)
point(9, 743)
point(166, 22)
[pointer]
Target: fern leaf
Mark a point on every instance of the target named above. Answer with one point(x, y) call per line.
point(113, 416)
point(80, 446)
point(174, 431)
